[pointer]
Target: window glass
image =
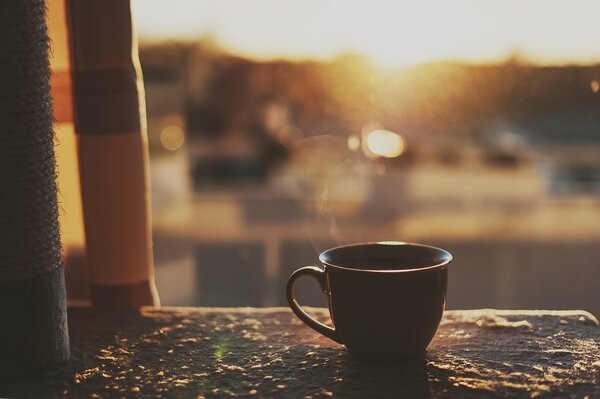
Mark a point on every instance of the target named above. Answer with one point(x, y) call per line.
point(278, 129)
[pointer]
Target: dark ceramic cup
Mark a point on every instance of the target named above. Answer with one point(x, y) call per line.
point(386, 299)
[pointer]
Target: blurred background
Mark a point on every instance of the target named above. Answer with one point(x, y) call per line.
point(278, 129)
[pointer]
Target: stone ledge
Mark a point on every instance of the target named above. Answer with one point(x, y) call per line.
point(247, 352)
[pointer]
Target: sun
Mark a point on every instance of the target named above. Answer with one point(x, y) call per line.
point(405, 33)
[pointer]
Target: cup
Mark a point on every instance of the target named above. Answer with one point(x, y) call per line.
point(386, 299)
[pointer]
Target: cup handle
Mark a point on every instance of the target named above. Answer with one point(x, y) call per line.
point(316, 325)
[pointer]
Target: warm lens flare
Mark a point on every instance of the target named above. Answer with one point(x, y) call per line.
point(383, 143)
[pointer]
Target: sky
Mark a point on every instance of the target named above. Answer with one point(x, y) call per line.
point(389, 32)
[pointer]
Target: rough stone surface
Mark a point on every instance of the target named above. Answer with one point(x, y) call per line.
point(195, 353)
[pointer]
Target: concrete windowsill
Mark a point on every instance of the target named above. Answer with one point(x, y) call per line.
point(267, 352)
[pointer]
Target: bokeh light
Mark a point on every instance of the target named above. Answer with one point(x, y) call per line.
point(384, 143)
point(353, 143)
point(172, 137)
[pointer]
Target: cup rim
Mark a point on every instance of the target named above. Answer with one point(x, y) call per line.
point(446, 261)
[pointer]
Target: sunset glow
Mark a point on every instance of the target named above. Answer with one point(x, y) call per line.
point(391, 33)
